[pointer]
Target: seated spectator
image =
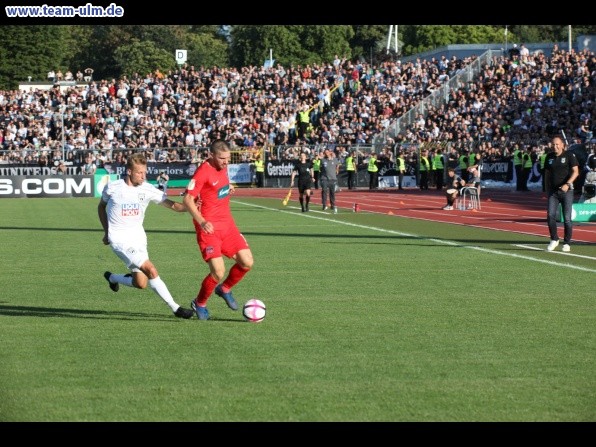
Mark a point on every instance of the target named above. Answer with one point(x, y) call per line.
point(88, 74)
point(60, 169)
point(454, 185)
point(474, 177)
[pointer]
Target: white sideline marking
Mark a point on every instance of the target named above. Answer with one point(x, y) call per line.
point(529, 247)
point(439, 241)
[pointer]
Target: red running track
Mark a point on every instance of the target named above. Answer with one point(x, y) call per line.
point(501, 209)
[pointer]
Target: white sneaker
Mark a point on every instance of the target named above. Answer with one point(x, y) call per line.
point(447, 207)
point(552, 245)
point(335, 209)
point(566, 248)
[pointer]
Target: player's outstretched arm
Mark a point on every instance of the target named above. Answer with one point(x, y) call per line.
point(174, 206)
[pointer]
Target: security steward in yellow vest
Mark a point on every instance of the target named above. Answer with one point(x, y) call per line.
point(526, 169)
point(439, 168)
point(259, 171)
point(517, 166)
point(303, 122)
point(373, 172)
point(316, 169)
point(351, 169)
point(401, 170)
point(424, 169)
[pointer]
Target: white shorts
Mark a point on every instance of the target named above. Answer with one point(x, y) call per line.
point(133, 257)
point(451, 191)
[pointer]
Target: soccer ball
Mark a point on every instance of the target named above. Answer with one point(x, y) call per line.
point(254, 310)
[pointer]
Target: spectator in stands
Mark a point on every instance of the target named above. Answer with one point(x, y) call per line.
point(88, 74)
point(395, 87)
point(43, 160)
point(585, 131)
point(89, 168)
point(162, 181)
point(61, 168)
point(524, 53)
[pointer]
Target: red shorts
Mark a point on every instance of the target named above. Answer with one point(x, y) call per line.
point(226, 241)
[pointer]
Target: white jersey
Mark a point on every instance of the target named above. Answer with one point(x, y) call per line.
point(126, 210)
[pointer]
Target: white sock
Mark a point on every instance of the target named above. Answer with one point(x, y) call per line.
point(161, 289)
point(121, 279)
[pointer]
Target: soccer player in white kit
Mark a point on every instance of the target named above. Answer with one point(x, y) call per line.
point(121, 212)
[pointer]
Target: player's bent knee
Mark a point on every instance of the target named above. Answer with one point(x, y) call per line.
point(140, 283)
point(246, 264)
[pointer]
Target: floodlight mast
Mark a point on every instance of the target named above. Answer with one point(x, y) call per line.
point(394, 34)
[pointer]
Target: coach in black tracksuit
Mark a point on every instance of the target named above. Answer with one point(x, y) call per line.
point(561, 170)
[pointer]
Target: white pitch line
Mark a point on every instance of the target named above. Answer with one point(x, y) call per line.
point(439, 241)
point(555, 252)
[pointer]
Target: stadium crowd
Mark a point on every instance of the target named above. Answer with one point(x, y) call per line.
point(517, 102)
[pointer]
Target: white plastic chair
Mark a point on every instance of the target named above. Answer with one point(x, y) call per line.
point(470, 199)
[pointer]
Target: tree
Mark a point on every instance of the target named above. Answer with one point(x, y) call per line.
point(369, 39)
point(323, 42)
point(77, 43)
point(293, 44)
point(250, 44)
point(143, 58)
point(206, 49)
point(421, 38)
point(30, 51)
point(103, 44)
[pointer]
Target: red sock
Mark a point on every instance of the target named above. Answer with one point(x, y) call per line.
point(234, 277)
point(207, 287)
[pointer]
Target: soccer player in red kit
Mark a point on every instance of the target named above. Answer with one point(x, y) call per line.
point(207, 199)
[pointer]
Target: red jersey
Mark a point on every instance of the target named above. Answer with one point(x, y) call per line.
point(212, 188)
